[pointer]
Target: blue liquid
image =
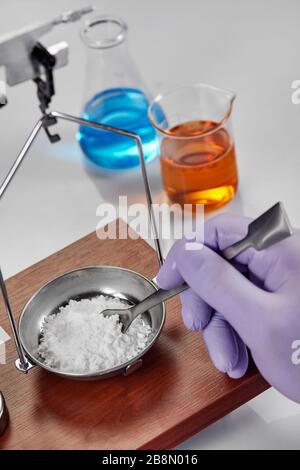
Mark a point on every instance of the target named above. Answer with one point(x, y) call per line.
point(125, 108)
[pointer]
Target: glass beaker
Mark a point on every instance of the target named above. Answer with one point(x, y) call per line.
point(114, 95)
point(197, 152)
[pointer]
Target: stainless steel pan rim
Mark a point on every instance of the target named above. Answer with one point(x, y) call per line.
point(94, 375)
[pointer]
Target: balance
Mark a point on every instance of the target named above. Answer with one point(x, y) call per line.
point(38, 64)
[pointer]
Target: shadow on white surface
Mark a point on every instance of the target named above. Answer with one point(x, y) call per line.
point(270, 421)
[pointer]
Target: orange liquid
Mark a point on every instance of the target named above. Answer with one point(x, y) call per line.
point(200, 170)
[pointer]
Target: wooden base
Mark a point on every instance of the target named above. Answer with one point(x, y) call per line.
point(175, 394)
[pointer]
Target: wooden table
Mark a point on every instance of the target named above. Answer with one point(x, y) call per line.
point(176, 393)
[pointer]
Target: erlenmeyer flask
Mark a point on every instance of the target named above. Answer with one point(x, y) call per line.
point(114, 95)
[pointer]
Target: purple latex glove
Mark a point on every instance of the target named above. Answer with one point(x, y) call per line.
point(260, 309)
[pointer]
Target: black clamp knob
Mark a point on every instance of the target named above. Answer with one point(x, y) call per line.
point(41, 58)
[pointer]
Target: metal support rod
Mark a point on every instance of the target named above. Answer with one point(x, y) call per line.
point(150, 203)
point(97, 125)
point(23, 364)
point(21, 156)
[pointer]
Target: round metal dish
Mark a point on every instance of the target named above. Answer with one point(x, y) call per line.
point(85, 283)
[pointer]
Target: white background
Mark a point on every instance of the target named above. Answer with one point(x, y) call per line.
point(249, 47)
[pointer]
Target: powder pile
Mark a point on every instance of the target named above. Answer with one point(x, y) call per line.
point(79, 339)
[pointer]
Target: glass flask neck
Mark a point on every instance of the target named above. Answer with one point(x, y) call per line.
point(104, 32)
point(109, 64)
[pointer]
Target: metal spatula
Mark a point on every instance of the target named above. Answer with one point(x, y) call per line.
point(268, 229)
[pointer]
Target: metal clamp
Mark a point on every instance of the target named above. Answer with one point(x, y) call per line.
point(22, 363)
point(41, 57)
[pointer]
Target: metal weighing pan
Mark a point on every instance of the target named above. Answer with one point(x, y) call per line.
point(87, 283)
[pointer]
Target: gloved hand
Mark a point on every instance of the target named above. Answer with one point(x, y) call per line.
point(254, 303)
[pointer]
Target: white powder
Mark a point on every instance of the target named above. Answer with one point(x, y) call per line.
point(80, 339)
